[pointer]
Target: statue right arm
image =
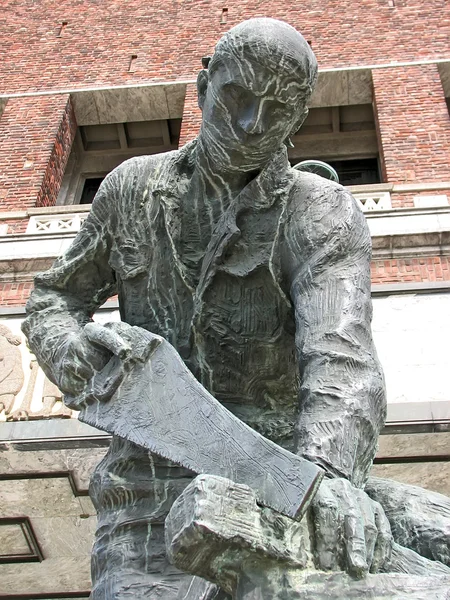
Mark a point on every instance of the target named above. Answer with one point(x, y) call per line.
point(66, 296)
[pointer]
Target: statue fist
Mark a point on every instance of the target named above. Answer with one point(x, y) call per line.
point(86, 353)
point(352, 532)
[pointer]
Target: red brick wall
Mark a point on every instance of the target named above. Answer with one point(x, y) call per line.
point(406, 199)
point(409, 270)
point(414, 124)
point(36, 135)
point(169, 37)
point(58, 158)
point(15, 225)
point(402, 200)
point(15, 294)
point(192, 116)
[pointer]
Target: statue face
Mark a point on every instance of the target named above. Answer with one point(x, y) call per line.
point(248, 112)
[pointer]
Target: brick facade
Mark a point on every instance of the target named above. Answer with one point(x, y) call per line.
point(36, 136)
point(410, 270)
point(64, 46)
point(15, 225)
point(407, 270)
point(414, 124)
point(56, 165)
point(54, 49)
point(95, 45)
point(169, 38)
point(192, 116)
point(15, 293)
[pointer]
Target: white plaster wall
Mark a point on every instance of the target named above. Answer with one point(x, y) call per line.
point(412, 336)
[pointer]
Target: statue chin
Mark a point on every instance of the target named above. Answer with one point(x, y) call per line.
point(237, 161)
point(233, 157)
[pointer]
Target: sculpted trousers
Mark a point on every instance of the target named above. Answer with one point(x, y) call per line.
point(133, 491)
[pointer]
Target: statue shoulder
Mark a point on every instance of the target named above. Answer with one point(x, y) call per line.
point(134, 181)
point(133, 177)
point(319, 209)
point(129, 198)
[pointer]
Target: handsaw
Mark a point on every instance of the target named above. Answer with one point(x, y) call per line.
point(153, 400)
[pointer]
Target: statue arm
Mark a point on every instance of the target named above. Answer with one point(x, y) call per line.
point(342, 395)
point(66, 296)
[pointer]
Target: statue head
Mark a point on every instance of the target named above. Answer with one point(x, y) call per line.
point(254, 93)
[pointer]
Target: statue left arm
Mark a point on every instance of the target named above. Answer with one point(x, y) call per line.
point(342, 394)
point(326, 262)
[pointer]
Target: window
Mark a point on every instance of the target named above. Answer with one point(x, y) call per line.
point(357, 172)
point(90, 188)
point(444, 72)
point(345, 138)
point(98, 149)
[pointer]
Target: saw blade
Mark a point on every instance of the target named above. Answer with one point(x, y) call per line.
point(160, 406)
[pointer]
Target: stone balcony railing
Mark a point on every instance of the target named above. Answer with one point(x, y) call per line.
point(396, 232)
point(374, 198)
point(373, 201)
point(71, 222)
point(59, 223)
point(54, 221)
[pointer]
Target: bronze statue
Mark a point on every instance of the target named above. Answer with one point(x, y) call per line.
point(258, 275)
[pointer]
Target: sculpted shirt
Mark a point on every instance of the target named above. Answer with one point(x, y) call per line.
point(267, 300)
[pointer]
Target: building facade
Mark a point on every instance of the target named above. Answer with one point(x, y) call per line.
point(85, 85)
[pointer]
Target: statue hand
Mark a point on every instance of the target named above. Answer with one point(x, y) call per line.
point(352, 532)
point(86, 353)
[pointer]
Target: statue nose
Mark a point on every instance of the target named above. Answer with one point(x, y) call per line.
point(252, 118)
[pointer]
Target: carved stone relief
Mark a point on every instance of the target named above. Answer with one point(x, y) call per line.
point(11, 372)
point(25, 392)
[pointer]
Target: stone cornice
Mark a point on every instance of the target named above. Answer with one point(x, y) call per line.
point(354, 189)
point(400, 233)
point(411, 245)
point(44, 210)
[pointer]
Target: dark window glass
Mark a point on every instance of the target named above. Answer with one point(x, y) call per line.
point(90, 189)
point(357, 172)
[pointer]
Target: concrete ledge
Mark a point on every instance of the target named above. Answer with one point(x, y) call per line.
point(411, 245)
point(426, 287)
point(25, 246)
point(418, 411)
point(424, 236)
point(6, 311)
point(60, 209)
point(419, 220)
point(421, 187)
point(417, 287)
point(14, 214)
point(423, 414)
point(50, 430)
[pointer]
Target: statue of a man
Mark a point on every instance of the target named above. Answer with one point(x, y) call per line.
point(259, 276)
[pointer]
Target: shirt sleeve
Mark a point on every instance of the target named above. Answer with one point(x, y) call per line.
point(342, 399)
point(66, 296)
